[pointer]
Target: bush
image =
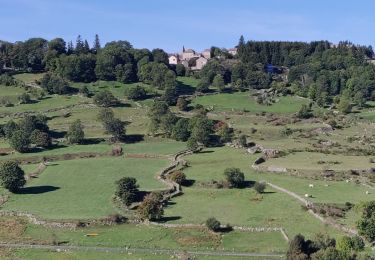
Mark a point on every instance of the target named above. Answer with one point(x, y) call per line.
point(182, 104)
point(24, 98)
point(20, 141)
point(137, 93)
point(178, 177)
point(11, 176)
point(105, 98)
point(180, 130)
point(180, 70)
point(304, 112)
point(192, 145)
point(84, 91)
point(75, 133)
point(242, 140)
point(127, 190)
point(40, 139)
point(5, 102)
point(213, 224)
point(235, 177)
point(151, 207)
point(260, 187)
point(54, 84)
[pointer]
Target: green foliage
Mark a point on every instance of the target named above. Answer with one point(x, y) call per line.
point(20, 141)
point(180, 70)
point(304, 112)
point(234, 177)
point(181, 131)
point(75, 133)
point(192, 144)
point(151, 207)
point(24, 98)
point(105, 98)
point(11, 176)
point(366, 225)
point(78, 68)
point(54, 84)
point(182, 104)
point(127, 190)
point(225, 133)
point(40, 139)
point(213, 224)
point(218, 82)
point(136, 93)
point(161, 118)
point(242, 140)
point(344, 105)
point(115, 62)
point(201, 129)
point(259, 187)
point(157, 75)
point(112, 125)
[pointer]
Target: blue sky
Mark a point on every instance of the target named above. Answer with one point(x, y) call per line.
point(197, 24)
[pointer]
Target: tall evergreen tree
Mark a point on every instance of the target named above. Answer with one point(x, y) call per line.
point(70, 48)
point(86, 47)
point(96, 48)
point(241, 42)
point(79, 45)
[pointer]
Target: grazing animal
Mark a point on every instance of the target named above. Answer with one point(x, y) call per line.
point(311, 185)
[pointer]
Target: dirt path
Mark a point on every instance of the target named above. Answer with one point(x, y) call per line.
point(139, 250)
point(330, 222)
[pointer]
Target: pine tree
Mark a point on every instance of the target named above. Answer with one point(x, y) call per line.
point(241, 42)
point(79, 45)
point(96, 48)
point(86, 47)
point(70, 49)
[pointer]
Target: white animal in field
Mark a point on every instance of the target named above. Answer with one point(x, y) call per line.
point(311, 185)
point(347, 181)
point(367, 192)
point(307, 195)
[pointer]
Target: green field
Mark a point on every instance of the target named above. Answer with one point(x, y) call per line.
point(82, 189)
point(320, 162)
point(242, 101)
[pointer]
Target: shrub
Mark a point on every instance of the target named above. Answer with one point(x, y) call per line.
point(84, 91)
point(235, 177)
point(182, 104)
point(180, 70)
point(192, 144)
point(5, 102)
point(127, 190)
point(304, 112)
point(151, 207)
point(54, 84)
point(178, 177)
point(40, 139)
point(75, 133)
point(213, 224)
point(242, 140)
point(180, 130)
point(20, 141)
point(24, 98)
point(105, 98)
point(260, 187)
point(137, 93)
point(11, 176)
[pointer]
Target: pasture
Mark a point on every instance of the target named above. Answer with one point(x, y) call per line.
point(82, 189)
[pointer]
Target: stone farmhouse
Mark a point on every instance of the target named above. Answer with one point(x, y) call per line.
point(190, 59)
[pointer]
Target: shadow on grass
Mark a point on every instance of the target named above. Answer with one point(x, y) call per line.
point(188, 183)
point(183, 89)
point(93, 141)
point(134, 138)
point(166, 219)
point(37, 189)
